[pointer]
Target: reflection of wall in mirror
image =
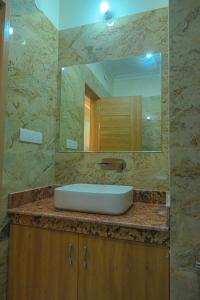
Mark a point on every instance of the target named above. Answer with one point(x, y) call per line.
point(151, 123)
point(73, 81)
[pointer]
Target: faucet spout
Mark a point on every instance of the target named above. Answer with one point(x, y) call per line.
point(112, 164)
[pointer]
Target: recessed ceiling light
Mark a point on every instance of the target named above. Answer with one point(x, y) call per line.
point(148, 118)
point(104, 6)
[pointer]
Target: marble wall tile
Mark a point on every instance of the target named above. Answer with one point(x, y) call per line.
point(151, 129)
point(131, 35)
point(31, 103)
point(143, 171)
point(31, 97)
point(185, 148)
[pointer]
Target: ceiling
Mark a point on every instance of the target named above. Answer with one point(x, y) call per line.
point(51, 9)
point(66, 14)
point(133, 67)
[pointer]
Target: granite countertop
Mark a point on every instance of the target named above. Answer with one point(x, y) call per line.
point(146, 221)
point(141, 215)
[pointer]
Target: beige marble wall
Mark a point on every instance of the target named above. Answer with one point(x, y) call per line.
point(31, 103)
point(185, 147)
point(131, 35)
point(151, 129)
point(144, 170)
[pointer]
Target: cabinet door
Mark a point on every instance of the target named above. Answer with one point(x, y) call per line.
point(116, 270)
point(43, 264)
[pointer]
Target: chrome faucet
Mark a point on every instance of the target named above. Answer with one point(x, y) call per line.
point(105, 164)
point(112, 164)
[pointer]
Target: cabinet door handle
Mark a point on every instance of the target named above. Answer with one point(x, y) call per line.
point(198, 265)
point(70, 254)
point(85, 254)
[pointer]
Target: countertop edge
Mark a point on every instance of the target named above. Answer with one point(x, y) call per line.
point(11, 212)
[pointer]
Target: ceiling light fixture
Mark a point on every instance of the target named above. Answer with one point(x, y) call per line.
point(107, 14)
point(108, 17)
point(104, 6)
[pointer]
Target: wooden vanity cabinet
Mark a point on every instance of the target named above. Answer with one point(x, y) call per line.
point(43, 264)
point(122, 270)
point(53, 265)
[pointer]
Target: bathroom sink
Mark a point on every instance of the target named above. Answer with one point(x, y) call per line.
point(97, 198)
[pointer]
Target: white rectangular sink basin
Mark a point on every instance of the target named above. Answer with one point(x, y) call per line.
point(97, 198)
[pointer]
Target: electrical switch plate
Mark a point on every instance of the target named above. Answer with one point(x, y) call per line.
point(30, 136)
point(168, 199)
point(71, 144)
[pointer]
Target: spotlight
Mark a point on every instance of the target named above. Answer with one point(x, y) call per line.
point(104, 7)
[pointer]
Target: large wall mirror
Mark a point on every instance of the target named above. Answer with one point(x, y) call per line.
point(112, 105)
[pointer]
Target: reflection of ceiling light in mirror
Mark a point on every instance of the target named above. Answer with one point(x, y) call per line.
point(104, 6)
point(11, 30)
point(110, 23)
point(149, 55)
point(148, 118)
point(63, 69)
